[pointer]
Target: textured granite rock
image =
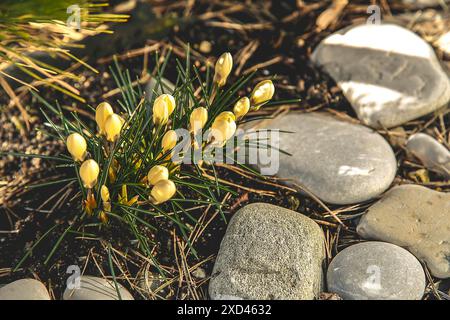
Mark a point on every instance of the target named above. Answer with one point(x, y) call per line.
point(339, 162)
point(153, 285)
point(269, 252)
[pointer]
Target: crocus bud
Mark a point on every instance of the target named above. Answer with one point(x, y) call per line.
point(223, 69)
point(77, 146)
point(169, 140)
point(163, 108)
point(226, 115)
point(198, 118)
point(162, 191)
point(223, 129)
point(90, 204)
point(241, 107)
point(113, 125)
point(262, 93)
point(104, 192)
point(156, 174)
point(89, 171)
point(103, 111)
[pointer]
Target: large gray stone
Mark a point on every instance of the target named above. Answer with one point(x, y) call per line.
point(339, 162)
point(430, 152)
point(269, 252)
point(376, 271)
point(94, 288)
point(24, 289)
point(388, 73)
point(416, 218)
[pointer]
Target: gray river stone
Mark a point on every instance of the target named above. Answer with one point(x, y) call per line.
point(389, 74)
point(416, 218)
point(269, 252)
point(376, 271)
point(340, 162)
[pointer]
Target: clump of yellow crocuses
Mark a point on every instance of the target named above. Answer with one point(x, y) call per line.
point(222, 127)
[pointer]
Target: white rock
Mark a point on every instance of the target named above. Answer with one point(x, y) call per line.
point(430, 152)
point(389, 74)
point(24, 289)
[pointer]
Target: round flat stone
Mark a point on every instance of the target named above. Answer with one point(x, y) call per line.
point(416, 218)
point(376, 271)
point(340, 162)
point(430, 152)
point(24, 289)
point(389, 74)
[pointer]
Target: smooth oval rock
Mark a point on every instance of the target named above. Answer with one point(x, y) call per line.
point(416, 218)
point(430, 152)
point(376, 271)
point(269, 253)
point(340, 162)
point(24, 289)
point(94, 288)
point(389, 74)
